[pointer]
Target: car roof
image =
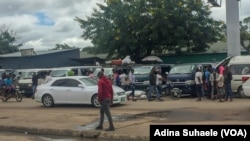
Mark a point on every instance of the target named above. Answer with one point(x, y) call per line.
point(74, 77)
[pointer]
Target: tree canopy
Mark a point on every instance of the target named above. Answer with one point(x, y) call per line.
point(8, 41)
point(63, 46)
point(141, 27)
point(245, 34)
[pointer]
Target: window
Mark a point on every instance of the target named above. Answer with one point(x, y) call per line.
point(240, 69)
point(66, 83)
point(58, 73)
point(142, 70)
point(181, 69)
point(89, 81)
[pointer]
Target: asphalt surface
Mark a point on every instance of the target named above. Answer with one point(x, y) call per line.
point(131, 120)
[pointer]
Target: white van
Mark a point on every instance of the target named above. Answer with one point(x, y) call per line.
point(77, 71)
point(239, 66)
point(25, 79)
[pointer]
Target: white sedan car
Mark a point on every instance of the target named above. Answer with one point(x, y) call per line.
point(245, 86)
point(73, 90)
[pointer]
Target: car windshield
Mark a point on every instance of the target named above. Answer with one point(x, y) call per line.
point(88, 81)
point(181, 69)
point(26, 75)
point(58, 73)
point(107, 71)
point(142, 70)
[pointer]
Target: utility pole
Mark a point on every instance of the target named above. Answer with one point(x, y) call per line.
point(233, 28)
point(233, 25)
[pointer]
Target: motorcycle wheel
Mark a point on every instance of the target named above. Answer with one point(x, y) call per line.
point(175, 95)
point(18, 96)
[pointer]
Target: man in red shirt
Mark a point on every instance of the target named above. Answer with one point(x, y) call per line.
point(105, 98)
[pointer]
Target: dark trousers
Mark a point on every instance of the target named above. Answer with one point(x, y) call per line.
point(229, 93)
point(105, 109)
point(132, 88)
point(199, 90)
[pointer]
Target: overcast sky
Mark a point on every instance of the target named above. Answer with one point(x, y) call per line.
point(43, 23)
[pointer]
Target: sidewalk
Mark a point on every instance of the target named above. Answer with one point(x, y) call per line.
point(134, 127)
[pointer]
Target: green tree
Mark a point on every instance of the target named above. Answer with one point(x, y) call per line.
point(8, 40)
point(63, 46)
point(245, 34)
point(141, 27)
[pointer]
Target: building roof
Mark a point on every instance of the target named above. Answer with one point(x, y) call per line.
point(34, 53)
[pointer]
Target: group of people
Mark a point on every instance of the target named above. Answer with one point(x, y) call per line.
point(214, 83)
point(8, 80)
point(125, 81)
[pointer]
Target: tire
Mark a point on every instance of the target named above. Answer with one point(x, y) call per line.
point(19, 96)
point(175, 94)
point(4, 99)
point(2, 96)
point(94, 101)
point(48, 101)
point(241, 92)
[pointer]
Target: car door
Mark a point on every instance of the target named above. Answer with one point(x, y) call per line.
point(59, 90)
point(74, 93)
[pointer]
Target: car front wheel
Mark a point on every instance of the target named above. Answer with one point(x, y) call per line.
point(48, 101)
point(94, 101)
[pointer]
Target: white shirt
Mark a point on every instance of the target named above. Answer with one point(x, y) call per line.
point(158, 79)
point(197, 76)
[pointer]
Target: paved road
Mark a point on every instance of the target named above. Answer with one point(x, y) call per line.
point(130, 119)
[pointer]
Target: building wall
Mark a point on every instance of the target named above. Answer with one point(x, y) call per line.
point(51, 60)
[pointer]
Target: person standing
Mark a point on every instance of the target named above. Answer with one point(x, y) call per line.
point(152, 83)
point(132, 84)
point(207, 86)
point(34, 84)
point(220, 86)
point(105, 98)
point(227, 82)
point(212, 79)
point(198, 83)
point(159, 82)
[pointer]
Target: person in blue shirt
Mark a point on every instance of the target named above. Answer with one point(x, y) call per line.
point(9, 84)
point(8, 81)
point(207, 86)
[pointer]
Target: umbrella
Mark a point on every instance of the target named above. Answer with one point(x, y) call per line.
point(152, 59)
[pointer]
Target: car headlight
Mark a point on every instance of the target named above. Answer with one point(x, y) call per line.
point(120, 93)
point(190, 82)
point(29, 85)
point(146, 83)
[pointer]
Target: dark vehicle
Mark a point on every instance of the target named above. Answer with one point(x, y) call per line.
point(182, 77)
point(142, 74)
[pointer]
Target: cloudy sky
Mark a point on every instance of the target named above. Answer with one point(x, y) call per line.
point(43, 23)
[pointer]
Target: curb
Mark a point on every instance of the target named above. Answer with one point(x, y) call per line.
point(74, 133)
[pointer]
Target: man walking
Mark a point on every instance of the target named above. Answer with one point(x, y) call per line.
point(105, 98)
point(153, 87)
